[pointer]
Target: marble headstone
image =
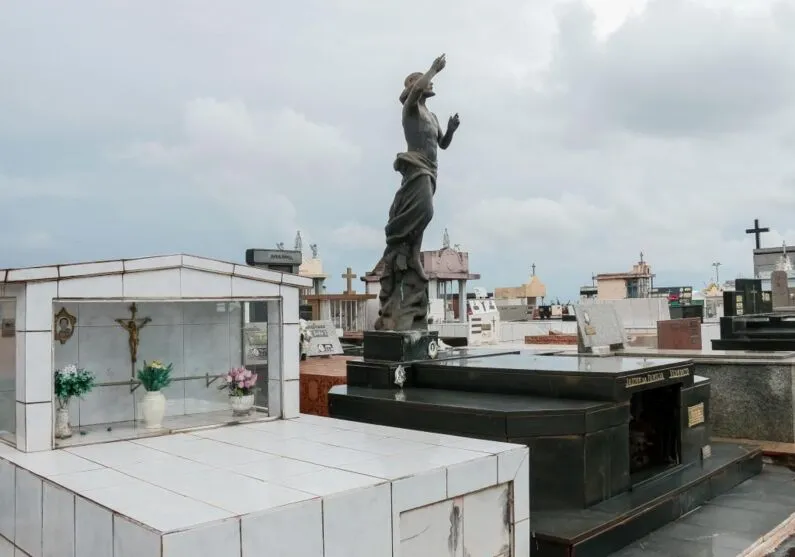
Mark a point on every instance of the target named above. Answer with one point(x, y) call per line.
point(599, 328)
point(323, 339)
point(779, 284)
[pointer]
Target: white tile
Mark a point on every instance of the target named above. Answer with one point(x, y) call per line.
point(92, 479)
point(19, 366)
point(27, 531)
point(275, 398)
point(318, 453)
point(214, 453)
point(153, 263)
point(521, 539)
point(291, 338)
point(480, 445)
point(97, 268)
point(6, 547)
point(221, 539)
point(38, 305)
point(17, 291)
point(429, 532)
point(258, 273)
point(419, 490)
point(485, 530)
point(205, 284)
point(471, 476)
point(329, 481)
point(37, 384)
point(358, 523)
point(296, 280)
point(32, 273)
point(152, 284)
point(38, 426)
point(274, 312)
point(515, 466)
point(172, 511)
point(93, 530)
point(289, 303)
point(249, 288)
point(122, 452)
point(276, 469)
point(51, 463)
point(292, 399)
point(21, 437)
point(134, 540)
point(58, 524)
point(290, 531)
point(107, 286)
point(274, 350)
point(205, 264)
point(249, 494)
point(7, 498)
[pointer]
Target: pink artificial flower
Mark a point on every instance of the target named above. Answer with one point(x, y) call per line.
point(253, 377)
point(250, 383)
point(228, 378)
point(241, 384)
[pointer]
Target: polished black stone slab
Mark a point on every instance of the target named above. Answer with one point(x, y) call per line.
point(400, 346)
point(613, 378)
point(611, 525)
point(728, 524)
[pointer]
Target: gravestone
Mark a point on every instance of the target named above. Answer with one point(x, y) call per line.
point(599, 329)
point(323, 339)
point(679, 334)
point(780, 289)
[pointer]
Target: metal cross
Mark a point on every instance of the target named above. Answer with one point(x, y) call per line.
point(757, 232)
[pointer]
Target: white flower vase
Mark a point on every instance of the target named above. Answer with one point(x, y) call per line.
point(241, 405)
point(153, 407)
point(62, 428)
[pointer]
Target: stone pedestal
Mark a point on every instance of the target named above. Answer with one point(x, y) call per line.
point(400, 346)
point(679, 334)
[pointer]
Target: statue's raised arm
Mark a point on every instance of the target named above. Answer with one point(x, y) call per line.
point(418, 84)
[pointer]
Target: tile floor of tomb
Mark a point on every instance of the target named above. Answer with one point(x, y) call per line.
point(220, 491)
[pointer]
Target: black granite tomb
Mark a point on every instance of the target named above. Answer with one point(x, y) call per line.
point(762, 332)
point(619, 446)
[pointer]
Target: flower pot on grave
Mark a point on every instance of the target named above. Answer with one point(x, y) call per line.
point(62, 428)
point(241, 405)
point(153, 407)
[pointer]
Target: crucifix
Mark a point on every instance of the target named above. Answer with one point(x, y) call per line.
point(533, 267)
point(349, 276)
point(641, 257)
point(133, 326)
point(757, 232)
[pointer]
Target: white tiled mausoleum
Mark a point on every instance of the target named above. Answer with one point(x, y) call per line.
point(285, 486)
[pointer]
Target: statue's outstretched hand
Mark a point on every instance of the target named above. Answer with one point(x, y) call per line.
point(439, 64)
point(453, 122)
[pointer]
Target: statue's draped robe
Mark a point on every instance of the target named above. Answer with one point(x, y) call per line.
point(404, 292)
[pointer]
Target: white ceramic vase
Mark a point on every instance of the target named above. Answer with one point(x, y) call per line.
point(62, 428)
point(153, 407)
point(241, 405)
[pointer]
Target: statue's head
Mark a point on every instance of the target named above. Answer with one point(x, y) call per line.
point(409, 82)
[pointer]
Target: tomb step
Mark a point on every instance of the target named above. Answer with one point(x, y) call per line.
point(606, 527)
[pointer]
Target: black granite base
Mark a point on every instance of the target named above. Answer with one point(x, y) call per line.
point(400, 346)
point(609, 526)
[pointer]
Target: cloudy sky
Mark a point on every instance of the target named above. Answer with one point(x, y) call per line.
point(591, 130)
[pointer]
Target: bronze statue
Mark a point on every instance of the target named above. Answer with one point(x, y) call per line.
point(133, 326)
point(404, 285)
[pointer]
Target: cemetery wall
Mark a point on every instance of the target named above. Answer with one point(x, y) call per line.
point(751, 399)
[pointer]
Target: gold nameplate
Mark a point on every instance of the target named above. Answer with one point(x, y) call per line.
point(677, 373)
point(639, 380)
point(590, 331)
point(695, 415)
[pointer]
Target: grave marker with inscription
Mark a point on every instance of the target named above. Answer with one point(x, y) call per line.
point(599, 328)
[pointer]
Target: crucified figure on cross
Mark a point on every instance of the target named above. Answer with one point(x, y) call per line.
point(133, 327)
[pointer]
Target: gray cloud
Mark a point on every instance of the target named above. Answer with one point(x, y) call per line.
point(138, 128)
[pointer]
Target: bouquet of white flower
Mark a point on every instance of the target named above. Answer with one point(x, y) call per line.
point(72, 381)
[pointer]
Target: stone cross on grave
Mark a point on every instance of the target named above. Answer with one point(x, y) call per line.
point(757, 232)
point(133, 327)
point(349, 276)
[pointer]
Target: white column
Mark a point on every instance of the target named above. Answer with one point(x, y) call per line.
point(34, 364)
point(462, 301)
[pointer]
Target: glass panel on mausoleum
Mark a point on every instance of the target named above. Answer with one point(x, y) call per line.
point(180, 360)
point(8, 370)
